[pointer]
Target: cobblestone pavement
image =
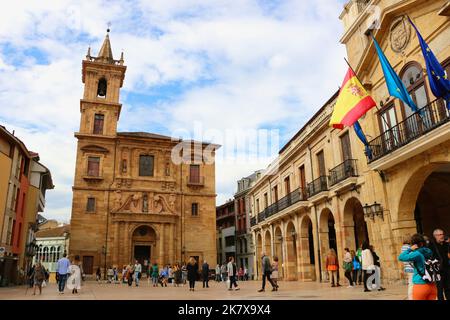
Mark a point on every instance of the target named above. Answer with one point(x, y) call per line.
point(288, 290)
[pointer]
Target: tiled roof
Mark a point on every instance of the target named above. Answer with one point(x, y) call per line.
point(55, 232)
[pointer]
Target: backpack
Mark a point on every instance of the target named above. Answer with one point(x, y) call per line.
point(431, 268)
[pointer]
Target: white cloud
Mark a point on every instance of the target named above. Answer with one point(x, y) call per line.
point(254, 65)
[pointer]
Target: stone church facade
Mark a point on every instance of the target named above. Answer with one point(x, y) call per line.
point(132, 197)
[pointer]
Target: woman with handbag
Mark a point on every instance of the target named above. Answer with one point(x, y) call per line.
point(38, 277)
point(74, 280)
point(348, 267)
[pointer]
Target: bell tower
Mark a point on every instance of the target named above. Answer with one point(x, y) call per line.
point(102, 77)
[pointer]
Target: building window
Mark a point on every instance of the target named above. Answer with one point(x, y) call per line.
point(194, 209)
point(321, 164)
point(146, 166)
point(98, 123)
point(345, 144)
point(90, 206)
point(194, 173)
point(257, 205)
point(266, 200)
point(229, 241)
point(287, 185)
point(124, 165)
point(94, 166)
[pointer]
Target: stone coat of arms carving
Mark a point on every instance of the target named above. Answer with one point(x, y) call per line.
point(399, 34)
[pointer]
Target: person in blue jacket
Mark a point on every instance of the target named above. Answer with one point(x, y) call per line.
point(418, 254)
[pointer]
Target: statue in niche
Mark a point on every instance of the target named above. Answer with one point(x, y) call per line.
point(145, 203)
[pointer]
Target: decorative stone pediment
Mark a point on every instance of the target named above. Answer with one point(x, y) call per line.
point(94, 148)
point(145, 203)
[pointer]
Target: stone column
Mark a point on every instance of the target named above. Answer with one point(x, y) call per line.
point(127, 244)
point(116, 243)
point(161, 244)
point(171, 244)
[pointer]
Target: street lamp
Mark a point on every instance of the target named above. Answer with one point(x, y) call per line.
point(375, 209)
point(104, 254)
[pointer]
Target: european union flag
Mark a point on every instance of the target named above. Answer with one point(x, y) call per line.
point(359, 132)
point(439, 83)
point(395, 85)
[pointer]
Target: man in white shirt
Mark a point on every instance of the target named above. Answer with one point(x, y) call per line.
point(137, 272)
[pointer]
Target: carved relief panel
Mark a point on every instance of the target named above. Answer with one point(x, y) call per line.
point(144, 203)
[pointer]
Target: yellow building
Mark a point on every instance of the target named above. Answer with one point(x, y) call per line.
point(326, 193)
point(132, 197)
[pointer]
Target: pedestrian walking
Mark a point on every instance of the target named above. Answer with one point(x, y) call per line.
point(218, 277)
point(74, 279)
point(110, 274)
point(155, 274)
point(170, 274)
point(241, 274)
point(408, 268)
point(332, 266)
point(98, 274)
point(418, 253)
point(177, 275)
point(192, 270)
point(184, 273)
point(266, 270)
point(129, 275)
point(62, 268)
point(441, 252)
point(224, 272)
point(205, 274)
point(367, 264)
point(357, 273)
point(348, 267)
point(137, 272)
point(39, 276)
point(245, 274)
point(275, 275)
point(376, 263)
point(232, 274)
point(124, 274)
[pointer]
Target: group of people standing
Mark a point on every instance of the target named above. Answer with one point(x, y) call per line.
point(427, 266)
point(358, 267)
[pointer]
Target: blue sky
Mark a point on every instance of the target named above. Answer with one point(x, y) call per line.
point(222, 65)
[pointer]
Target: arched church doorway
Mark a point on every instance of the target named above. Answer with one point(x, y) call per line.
point(143, 245)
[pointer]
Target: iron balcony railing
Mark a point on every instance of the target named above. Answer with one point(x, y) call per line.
point(318, 185)
point(285, 202)
point(343, 171)
point(416, 125)
point(253, 221)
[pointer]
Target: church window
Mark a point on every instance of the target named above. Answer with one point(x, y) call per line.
point(98, 123)
point(146, 165)
point(90, 206)
point(94, 166)
point(195, 209)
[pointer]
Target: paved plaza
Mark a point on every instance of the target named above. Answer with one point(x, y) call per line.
point(289, 290)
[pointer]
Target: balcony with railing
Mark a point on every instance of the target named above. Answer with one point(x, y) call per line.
point(316, 186)
point(343, 171)
point(285, 202)
point(425, 120)
point(253, 221)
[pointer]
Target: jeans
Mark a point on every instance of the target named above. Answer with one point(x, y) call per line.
point(136, 277)
point(357, 275)
point(233, 281)
point(267, 275)
point(155, 280)
point(333, 277)
point(205, 281)
point(191, 283)
point(62, 282)
point(348, 275)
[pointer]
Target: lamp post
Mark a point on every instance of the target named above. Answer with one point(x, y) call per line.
point(375, 209)
point(104, 265)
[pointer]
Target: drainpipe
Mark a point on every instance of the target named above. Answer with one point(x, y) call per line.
point(317, 222)
point(107, 209)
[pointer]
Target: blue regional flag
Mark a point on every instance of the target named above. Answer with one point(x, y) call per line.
point(359, 132)
point(439, 83)
point(395, 85)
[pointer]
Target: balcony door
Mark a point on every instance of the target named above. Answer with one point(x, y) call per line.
point(389, 131)
point(413, 79)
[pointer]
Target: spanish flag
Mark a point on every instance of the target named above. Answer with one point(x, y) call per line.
point(352, 102)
